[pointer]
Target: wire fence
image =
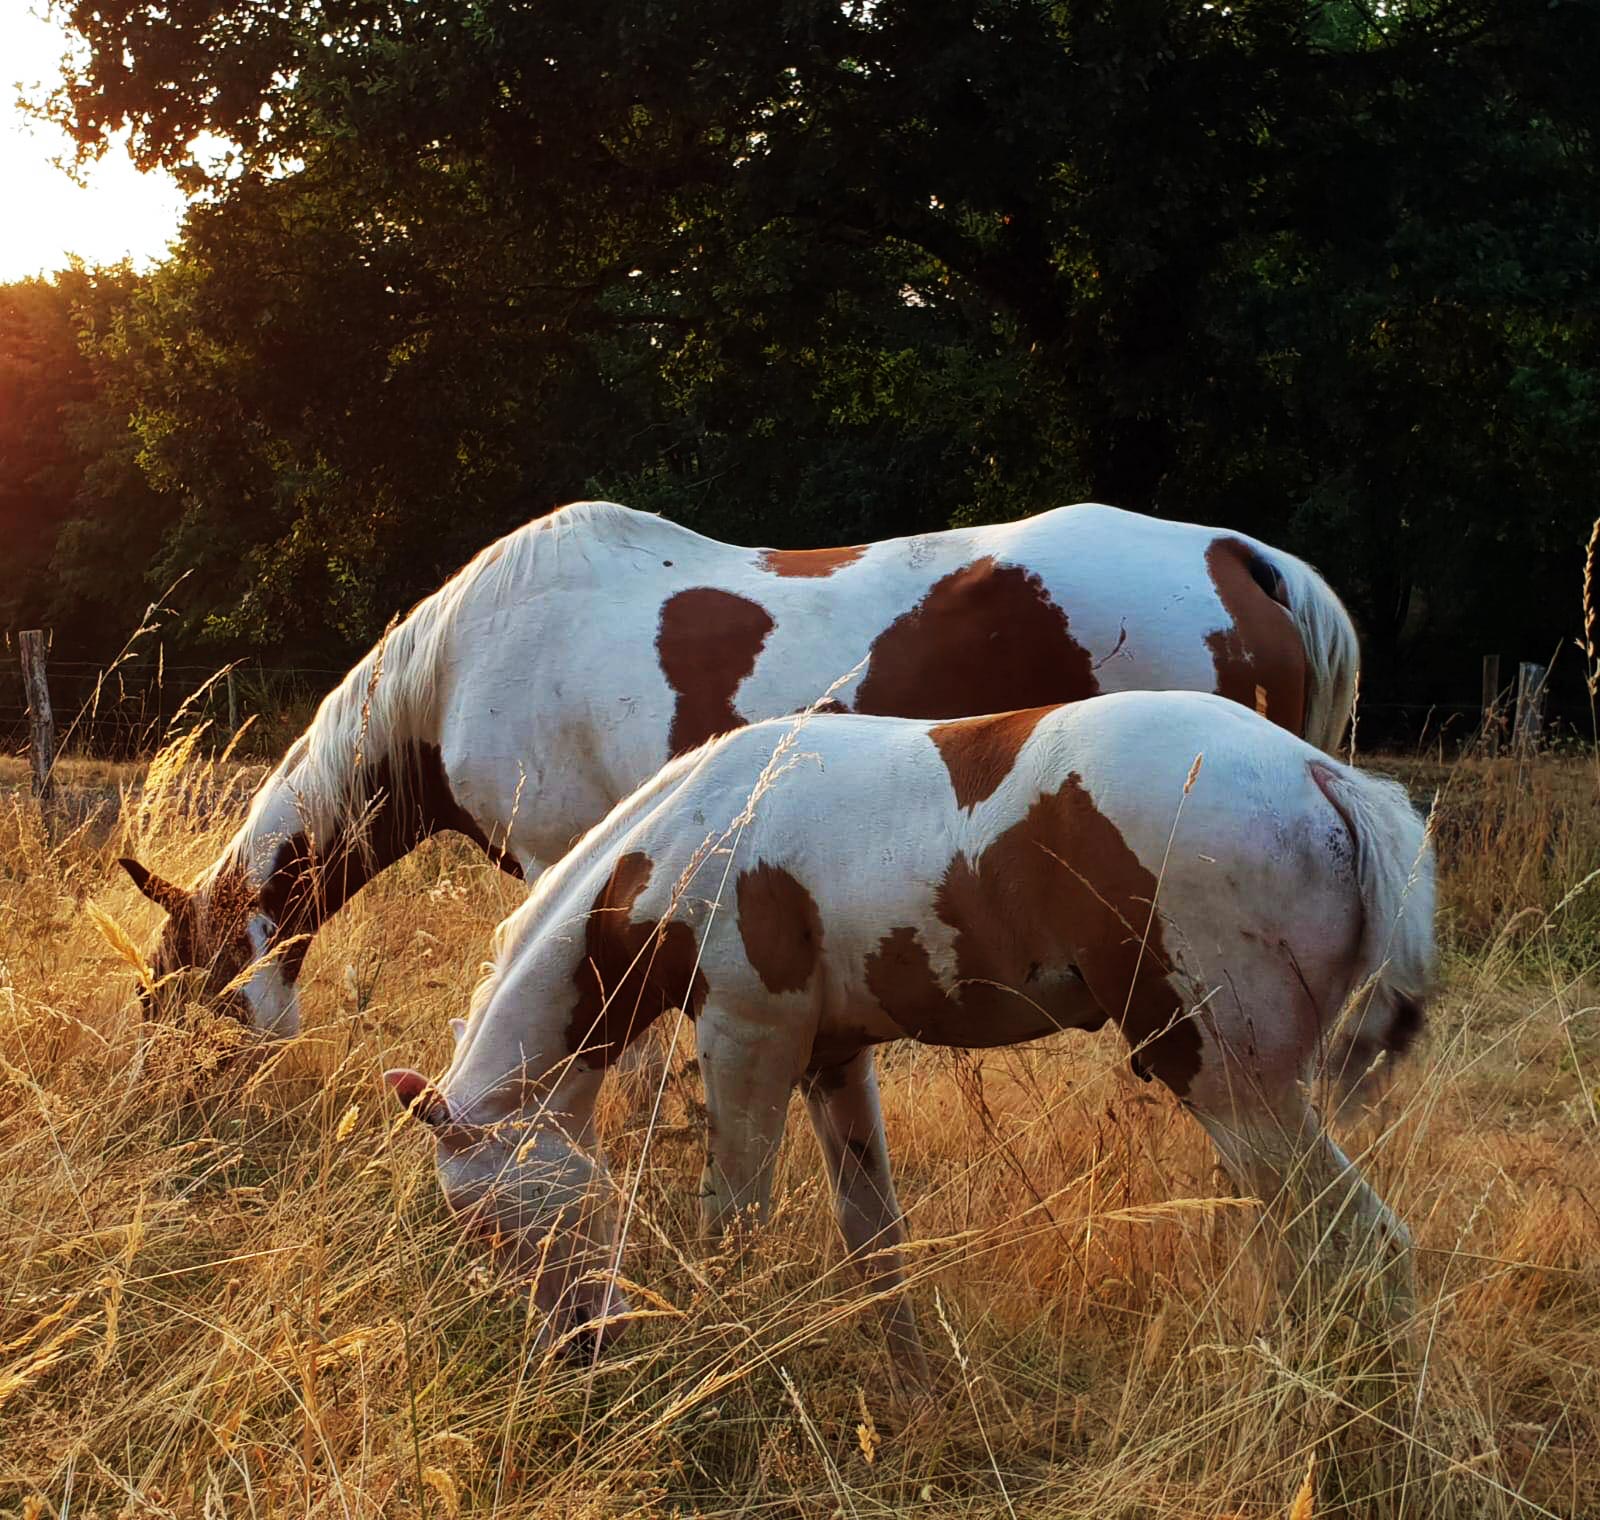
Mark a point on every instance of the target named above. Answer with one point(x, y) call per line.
point(127, 712)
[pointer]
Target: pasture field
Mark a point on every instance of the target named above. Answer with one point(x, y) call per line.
point(228, 1285)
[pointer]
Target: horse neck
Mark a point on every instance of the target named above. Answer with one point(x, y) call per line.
point(309, 853)
point(514, 1059)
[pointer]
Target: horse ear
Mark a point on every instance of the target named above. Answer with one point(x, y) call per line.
point(419, 1096)
point(158, 889)
point(458, 1029)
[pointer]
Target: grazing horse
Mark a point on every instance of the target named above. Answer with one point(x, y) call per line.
point(570, 660)
point(1169, 861)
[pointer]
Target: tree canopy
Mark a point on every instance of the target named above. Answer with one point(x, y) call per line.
point(817, 272)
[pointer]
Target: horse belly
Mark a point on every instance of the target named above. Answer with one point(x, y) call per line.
point(1045, 1004)
point(976, 1013)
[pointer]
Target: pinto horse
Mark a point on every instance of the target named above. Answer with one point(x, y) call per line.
point(568, 661)
point(1169, 861)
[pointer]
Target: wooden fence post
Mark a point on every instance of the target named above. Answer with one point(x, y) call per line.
point(1530, 706)
point(1491, 704)
point(43, 730)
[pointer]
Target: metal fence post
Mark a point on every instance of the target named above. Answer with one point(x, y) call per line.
point(1530, 706)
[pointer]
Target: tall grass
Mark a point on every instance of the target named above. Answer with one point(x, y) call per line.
point(230, 1286)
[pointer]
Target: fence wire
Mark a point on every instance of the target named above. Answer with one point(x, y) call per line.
point(125, 714)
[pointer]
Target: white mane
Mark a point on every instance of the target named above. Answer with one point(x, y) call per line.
point(390, 696)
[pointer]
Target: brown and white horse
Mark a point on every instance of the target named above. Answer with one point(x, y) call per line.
point(1168, 861)
point(570, 660)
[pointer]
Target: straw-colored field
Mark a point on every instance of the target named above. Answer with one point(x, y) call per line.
point(229, 1286)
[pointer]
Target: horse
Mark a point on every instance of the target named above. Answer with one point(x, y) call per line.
point(1172, 862)
point(569, 660)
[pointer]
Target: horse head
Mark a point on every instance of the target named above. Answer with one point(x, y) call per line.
point(539, 1200)
point(222, 929)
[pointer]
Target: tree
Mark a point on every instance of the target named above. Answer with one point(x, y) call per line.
point(1326, 272)
point(42, 376)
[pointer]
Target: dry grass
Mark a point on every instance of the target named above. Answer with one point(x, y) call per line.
point(230, 1286)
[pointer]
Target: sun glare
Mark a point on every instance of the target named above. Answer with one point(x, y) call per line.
point(45, 217)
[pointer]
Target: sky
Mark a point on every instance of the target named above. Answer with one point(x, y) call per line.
point(44, 215)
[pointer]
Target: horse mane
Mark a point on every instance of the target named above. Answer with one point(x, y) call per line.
point(390, 695)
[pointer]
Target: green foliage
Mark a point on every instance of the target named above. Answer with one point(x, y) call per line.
point(816, 272)
point(41, 375)
point(77, 517)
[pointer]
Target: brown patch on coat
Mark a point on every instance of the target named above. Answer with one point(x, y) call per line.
point(780, 927)
point(311, 879)
point(1053, 929)
point(630, 972)
point(979, 753)
point(1260, 658)
point(986, 638)
point(708, 642)
point(810, 564)
point(834, 1048)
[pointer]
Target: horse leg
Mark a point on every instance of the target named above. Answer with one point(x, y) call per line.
point(843, 1104)
point(1333, 1220)
point(1252, 1101)
point(749, 1069)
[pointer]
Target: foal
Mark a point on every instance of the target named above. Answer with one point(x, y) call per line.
point(1169, 861)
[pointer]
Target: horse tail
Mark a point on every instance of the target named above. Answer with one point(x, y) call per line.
point(1333, 653)
point(1394, 969)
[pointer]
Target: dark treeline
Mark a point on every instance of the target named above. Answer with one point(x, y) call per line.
point(815, 272)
